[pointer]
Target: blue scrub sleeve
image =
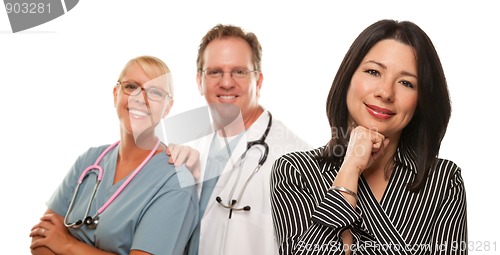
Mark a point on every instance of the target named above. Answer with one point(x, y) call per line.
point(168, 223)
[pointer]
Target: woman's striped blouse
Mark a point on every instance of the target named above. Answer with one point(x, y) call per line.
point(309, 218)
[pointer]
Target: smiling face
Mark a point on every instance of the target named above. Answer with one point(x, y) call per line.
point(383, 94)
point(231, 55)
point(138, 114)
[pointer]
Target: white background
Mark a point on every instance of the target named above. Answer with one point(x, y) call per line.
point(57, 79)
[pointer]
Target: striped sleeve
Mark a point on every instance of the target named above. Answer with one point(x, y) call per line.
point(450, 231)
point(307, 218)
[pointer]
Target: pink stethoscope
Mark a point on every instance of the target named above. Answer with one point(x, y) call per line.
point(92, 221)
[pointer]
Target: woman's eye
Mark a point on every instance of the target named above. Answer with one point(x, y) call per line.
point(131, 86)
point(407, 84)
point(373, 72)
point(157, 92)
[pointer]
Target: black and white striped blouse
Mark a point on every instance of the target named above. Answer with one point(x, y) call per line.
point(309, 218)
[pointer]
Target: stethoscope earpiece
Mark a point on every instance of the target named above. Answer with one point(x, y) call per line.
point(88, 220)
point(91, 222)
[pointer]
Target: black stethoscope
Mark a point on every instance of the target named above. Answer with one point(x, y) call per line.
point(232, 206)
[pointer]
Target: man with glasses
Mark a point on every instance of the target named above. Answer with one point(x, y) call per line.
point(236, 160)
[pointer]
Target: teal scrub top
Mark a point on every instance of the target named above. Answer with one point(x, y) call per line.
point(156, 212)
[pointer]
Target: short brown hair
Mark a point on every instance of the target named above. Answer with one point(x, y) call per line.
point(228, 31)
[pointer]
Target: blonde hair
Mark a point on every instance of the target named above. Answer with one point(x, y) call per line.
point(153, 67)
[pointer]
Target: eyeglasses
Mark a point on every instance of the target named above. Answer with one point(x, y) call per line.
point(237, 73)
point(133, 89)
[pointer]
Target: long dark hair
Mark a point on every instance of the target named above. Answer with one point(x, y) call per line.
point(422, 137)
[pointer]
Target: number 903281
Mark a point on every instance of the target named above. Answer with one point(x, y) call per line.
point(27, 8)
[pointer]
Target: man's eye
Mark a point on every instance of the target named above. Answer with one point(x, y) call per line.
point(240, 72)
point(214, 72)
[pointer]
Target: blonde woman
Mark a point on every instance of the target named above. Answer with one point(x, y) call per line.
point(143, 205)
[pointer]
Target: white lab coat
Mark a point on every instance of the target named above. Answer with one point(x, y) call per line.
point(247, 232)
